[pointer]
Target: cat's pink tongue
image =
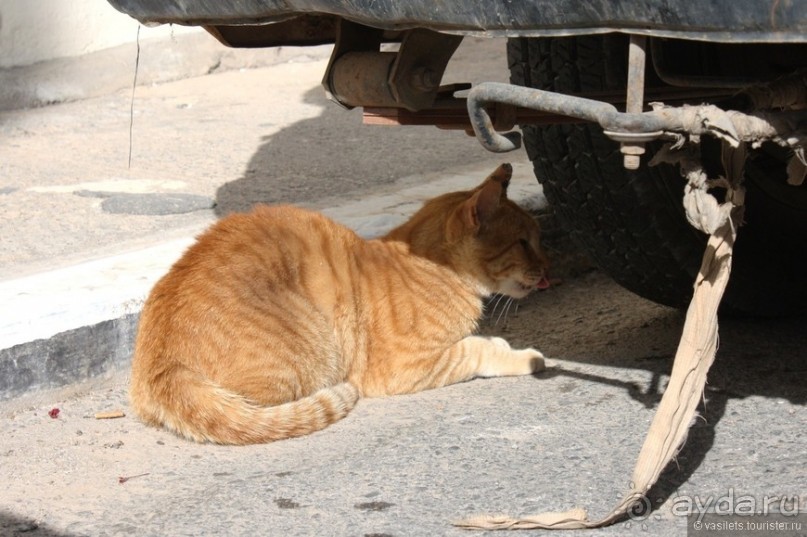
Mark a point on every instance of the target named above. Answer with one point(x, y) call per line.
point(543, 284)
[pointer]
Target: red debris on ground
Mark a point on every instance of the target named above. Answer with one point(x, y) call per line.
point(123, 480)
point(54, 413)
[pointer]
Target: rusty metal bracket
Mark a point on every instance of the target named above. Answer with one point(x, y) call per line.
point(419, 67)
point(600, 112)
point(786, 128)
point(360, 74)
point(450, 112)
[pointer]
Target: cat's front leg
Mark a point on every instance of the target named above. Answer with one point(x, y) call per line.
point(512, 362)
point(476, 356)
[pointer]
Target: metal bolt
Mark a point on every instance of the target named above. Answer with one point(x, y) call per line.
point(631, 162)
point(635, 97)
point(632, 155)
point(424, 80)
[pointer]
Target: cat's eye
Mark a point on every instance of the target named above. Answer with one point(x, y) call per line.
point(524, 244)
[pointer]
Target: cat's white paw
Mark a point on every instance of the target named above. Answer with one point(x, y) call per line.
point(535, 358)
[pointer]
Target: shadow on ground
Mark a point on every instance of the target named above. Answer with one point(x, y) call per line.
point(334, 154)
point(14, 526)
point(746, 365)
point(757, 357)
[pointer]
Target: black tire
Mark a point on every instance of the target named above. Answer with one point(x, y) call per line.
point(631, 222)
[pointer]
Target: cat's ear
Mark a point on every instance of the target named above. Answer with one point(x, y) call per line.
point(501, 175)
point(482, 204)
point(484, 201)
point(487, 197)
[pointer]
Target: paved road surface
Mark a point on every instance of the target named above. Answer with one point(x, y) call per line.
point(409, 465)
point(231, 139)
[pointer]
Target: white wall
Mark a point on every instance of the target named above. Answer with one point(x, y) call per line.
point(36, 30)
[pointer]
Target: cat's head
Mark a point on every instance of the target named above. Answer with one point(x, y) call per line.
point(483, 234)
point(497, 240)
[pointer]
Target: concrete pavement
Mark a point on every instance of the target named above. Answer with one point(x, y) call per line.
point(410, 465)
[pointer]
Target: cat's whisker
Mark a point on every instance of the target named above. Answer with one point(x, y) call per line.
point(501, 297)
point(515, 311)
point(505, 309)
point(512, 302)
point(496, 305)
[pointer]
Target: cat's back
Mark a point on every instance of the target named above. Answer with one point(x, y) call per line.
point(267, 229)
point(274, 240)
point(245, 261)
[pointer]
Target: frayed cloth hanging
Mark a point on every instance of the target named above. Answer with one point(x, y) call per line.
point(696, 350)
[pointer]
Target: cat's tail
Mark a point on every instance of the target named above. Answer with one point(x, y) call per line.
point(203, 411)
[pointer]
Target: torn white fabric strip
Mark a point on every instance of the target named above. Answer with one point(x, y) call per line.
point(695, 354)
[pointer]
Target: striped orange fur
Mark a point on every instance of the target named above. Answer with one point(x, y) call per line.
point(275, 322)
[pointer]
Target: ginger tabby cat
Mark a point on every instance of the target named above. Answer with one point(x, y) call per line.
point(275, 322)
